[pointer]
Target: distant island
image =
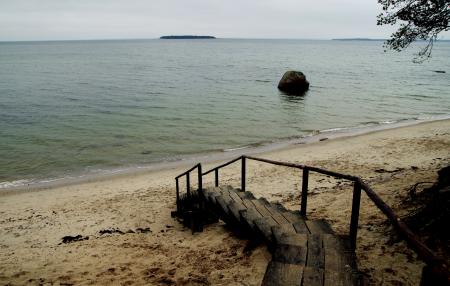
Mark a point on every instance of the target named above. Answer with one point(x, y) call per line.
point(186, 37)
point(358, 39)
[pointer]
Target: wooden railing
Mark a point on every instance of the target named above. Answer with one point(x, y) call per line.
point(434, 273)
point(187, 174)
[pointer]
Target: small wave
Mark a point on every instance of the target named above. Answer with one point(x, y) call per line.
point(46, 181)
point(261, 80)
point(369, 123)
point(388, 122)
point(392, 121)
point(12, 184)
point(236, 148)
point(434, 117)
point(364, 125)
point(331, 130)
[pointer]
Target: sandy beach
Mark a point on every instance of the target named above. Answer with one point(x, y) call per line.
point(129, 238)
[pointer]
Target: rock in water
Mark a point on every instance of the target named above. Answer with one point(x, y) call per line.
point(293, 82)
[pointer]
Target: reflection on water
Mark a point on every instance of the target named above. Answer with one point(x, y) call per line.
point(293, 98)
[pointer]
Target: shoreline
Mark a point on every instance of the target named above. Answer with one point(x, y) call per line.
point(129, 237)
point(211, 157)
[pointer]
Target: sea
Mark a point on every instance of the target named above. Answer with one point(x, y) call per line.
point(76, 108)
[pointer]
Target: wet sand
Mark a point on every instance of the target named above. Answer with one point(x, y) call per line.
point(131, 238)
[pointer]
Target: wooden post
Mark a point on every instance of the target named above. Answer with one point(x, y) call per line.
point(178, 193)
point(355, 214)
point(188, 184)
point(304, 191)
point(200, 181)
point(216, 172)
point(200, 193)
point(243, 174)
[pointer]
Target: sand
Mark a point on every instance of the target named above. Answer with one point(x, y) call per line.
point(145, 246)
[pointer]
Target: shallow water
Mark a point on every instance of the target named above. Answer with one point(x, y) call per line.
point(76, 107)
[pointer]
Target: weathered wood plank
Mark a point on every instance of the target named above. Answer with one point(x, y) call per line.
point(264, 225)
point(288, 228)
point(348, 252)
point(248, 204)
point(261, 208)
point(292, 216)
point(334, 278)
point(282, 274)
point(212, 193)
point(243, 195)
point(318, 226)
point(223, 203)
point(235, 209)
point(249, 216)
point(264, 201)
point(281, 237)
point(302, 250)
point(277, 215)
point(290, 248)
point(312, 276)
point(316, 256)
point(235, 196)
point(226, 195)
point(291, 254)
point(279, 207)
point(337, 271)
point(300, 227)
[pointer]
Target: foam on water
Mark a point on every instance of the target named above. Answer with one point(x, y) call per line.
point(225, 154)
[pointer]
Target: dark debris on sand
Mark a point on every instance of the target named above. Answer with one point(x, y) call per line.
point(107, 231)
point(70, 239)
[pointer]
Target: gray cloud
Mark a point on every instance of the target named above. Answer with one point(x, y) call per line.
point(100, 19)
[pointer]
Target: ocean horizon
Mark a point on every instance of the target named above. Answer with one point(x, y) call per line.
point(74, 108)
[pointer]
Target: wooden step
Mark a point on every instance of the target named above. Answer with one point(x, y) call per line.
point(264, 226)
point(312, 276)
point(235, 209)
point(249, 216)
point(304, 252)
point(278, 274)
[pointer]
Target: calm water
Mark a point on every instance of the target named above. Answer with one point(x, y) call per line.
point(74, 107)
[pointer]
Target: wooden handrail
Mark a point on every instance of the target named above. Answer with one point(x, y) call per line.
point(188, 182)
point(286, 164)
point(188, 171)
point(436, 263)
point(425, 253)
point(300, 166)
point(223, 165)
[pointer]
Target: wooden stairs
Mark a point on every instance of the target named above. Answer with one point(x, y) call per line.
point(304, 252)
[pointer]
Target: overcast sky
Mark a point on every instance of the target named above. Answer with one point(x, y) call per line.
point(117, 19)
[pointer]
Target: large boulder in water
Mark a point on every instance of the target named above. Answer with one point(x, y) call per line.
point(293, 82)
